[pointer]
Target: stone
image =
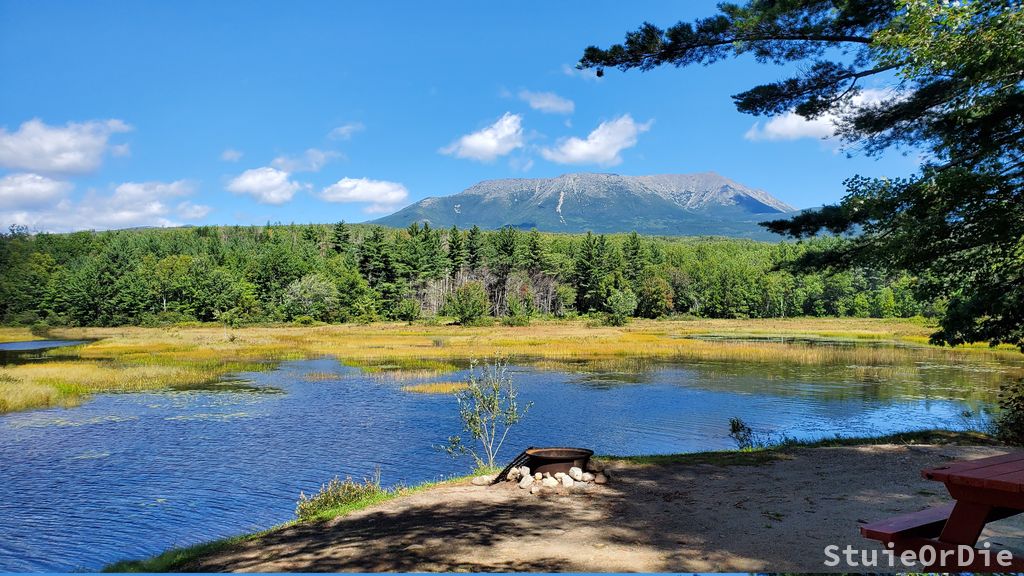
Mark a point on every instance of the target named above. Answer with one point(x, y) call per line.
point(567, 481)
point(588, 477)
point(526, 482)
point(524, 470)
point(547, 474)
point(576, 474)
point(538, 476)
point(600, 478)
point(484, 480)
point(513, 475)
point(549, 482)
point(594, 466)
point(535, 490)
point(559, 475)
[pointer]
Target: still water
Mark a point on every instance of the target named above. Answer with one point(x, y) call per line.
point(130, 475)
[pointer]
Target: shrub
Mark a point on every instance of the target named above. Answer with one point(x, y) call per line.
point(408, 310)
point(40, 328)
point(488, 408)
point(621, 304)
point(164, 318)
point(518, 320)
point(517, 314)
point(337, 493)
point(741, 434)
point(747, 439)
point(313, 296)
point(565, 301)
point(469, 303)
point(654, 297)
point(304, 320)
point(1009, 425)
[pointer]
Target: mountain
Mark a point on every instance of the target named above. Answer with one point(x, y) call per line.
point(670, 204)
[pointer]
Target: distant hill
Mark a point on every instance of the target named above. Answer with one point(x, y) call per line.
point(670, 204)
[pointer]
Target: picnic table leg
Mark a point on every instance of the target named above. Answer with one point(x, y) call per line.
point(965, 523)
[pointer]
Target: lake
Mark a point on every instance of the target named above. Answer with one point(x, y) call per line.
point(130, 475)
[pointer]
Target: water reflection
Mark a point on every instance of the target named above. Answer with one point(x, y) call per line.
point(32, 350)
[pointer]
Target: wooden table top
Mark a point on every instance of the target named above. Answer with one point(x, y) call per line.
point(1004, 473)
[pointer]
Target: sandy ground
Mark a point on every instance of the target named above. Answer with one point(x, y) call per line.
point(774, 517)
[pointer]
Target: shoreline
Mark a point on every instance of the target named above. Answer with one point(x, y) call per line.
point(190, 557)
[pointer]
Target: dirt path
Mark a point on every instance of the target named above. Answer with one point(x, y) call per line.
point(775, 517)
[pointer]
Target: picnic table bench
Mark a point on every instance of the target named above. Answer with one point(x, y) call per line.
point(984, 490)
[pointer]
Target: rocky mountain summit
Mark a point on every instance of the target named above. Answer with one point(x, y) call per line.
point(669, 204)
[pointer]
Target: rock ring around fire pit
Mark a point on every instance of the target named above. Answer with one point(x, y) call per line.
point(554, 460)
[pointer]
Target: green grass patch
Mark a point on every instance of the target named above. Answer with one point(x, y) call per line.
point(339, 494)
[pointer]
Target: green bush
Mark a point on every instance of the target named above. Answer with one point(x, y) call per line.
point(1009, 424)
point(40, 328)
point(565, 301)
point(621, 305)
point(312, 295)
point(408, 310)
point(304, 320)
point(469, 304)
point(517, 314)
point(654, 297)
point(338, 493)
point(165, 318)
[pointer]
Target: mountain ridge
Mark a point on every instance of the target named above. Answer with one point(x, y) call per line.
point(704, 203)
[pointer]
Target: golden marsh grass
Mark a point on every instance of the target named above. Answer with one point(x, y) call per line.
point(8, 334)
point(436, 387)
point(134, 358)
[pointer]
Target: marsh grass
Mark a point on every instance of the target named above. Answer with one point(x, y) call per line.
point(319, 376)
point(337, 495)
point(17, 334)
point(135, 358)
point(435, 387)
point(404, 368)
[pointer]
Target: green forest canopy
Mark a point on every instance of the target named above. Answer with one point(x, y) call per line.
point(345, 273)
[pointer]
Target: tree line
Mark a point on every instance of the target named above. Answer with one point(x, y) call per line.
point(360, 273)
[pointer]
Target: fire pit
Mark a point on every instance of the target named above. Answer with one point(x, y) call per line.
point(554, 460)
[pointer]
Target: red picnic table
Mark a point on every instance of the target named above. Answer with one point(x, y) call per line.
point(984, 490)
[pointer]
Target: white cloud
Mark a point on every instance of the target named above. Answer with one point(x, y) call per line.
point(548, 102)
point(190, 211)
point(231, 155)
point(268, 185)
point(19, 191)
point(498, 139)
point(130, 192)
point(791, 126)
point(121, 150)
point(76, 147)
point(382, 195)
point(345, 131)
point(312, 160)
point(602, 146)
point(131, 204)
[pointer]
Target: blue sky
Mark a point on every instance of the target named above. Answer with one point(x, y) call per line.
point(119, 114)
